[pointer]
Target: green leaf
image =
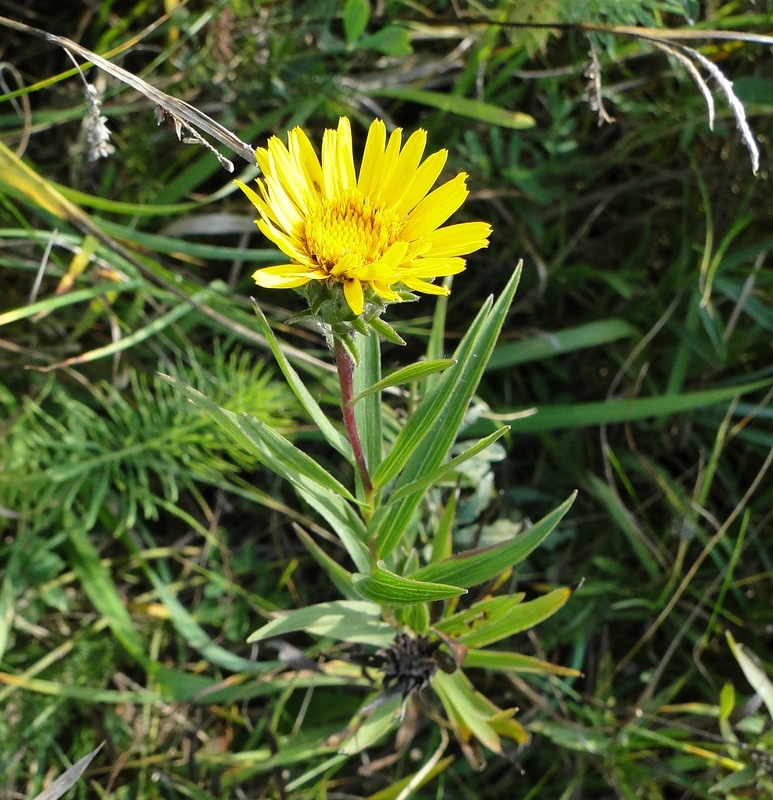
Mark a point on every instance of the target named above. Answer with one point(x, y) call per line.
point(422, 445)
point(340, 576)
point(342, 519)
point(7, 601)
point(187, 627)
point(367, 376)
point(477, 566)
point(497, 618)
point(428, 772)
point(266, 444)
point(312, 408)
point(469, 618)
point(443, 538)
point(618, 513)
point(152, 329)
point(468, 711)
point(68, 778)
point(505, 661)
point(342, 620)
point(314, 484)
point(293, 461)
point(383, 586)
point(460, 106)
point(372, 729)
point(194, 635)
point(447, 470)
point(436, 341)
point(412, 372)
point(356, 16)
point(68, 299)
point(726, 702)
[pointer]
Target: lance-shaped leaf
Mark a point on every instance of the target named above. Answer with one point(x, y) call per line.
point(312, 482)
point(266, 444)
point(69, 778)
point(413, 372)
point(367, 412)
point(342, 620)
point(383, 586)
point(445, 471)
point(477, 566)
point(473, 715)
point(423, 444)
point(311, 406)
point(505, 661)
point(338, 574)
point(500, 617)
point(754, 671)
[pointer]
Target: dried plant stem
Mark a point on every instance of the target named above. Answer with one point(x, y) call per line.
point(345, 368)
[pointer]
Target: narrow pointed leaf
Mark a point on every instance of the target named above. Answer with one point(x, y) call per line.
point(510, 620)
point(367, 413)
point(316, 486)
point(754, 671)
point(423, 444)
point(384, 587)
point(583, 415)
point(102, 592)
point(447, 470)
point(477, 566)
point(432, 407)
point(312, 408)
point(505, 661)
point(412, 372)
point(340, 576)
point(342, 620)
point(466, 713)
point(373, 728)
point(341, 518)
point(293, 460)
point(69, 778)
point(265, 443)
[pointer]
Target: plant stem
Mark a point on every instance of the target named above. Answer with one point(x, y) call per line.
point(345, 367)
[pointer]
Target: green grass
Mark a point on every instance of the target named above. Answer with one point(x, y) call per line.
point(140, 547)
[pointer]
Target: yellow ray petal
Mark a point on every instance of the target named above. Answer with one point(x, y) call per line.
point(422, 181)
point(427, 288)
point(458, 240)
point(435, 267)
point(354, 296)
point(372, 157)
point(405, 167)
point(436, 207)
point(281, 277)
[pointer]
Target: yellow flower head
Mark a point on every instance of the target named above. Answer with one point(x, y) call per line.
point(375, 233)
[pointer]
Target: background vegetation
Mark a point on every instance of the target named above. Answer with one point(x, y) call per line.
point(140, 549)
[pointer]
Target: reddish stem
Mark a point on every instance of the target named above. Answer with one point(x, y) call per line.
point(345, 367)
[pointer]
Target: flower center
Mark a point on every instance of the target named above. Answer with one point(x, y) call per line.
point(351, 224)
